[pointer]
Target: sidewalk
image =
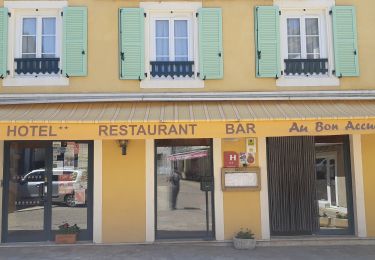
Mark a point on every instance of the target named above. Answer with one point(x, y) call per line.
point(188, 252)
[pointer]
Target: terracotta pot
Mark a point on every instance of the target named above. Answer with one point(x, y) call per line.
point(240, 243)
point(66, 238)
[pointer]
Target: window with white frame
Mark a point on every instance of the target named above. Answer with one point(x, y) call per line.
point(37, 47)
point(34, 52)
point(171, 46)
point(306, 48)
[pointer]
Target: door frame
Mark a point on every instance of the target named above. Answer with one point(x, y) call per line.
point(186, 142)
point(47, 234)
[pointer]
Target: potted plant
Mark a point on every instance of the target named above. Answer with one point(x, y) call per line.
point(67, 234)
point(244, 240)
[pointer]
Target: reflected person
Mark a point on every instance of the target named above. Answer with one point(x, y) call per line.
point(175, 187)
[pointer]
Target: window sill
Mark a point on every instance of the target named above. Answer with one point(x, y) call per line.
point(311, 81)
point(35, 82)
point(177, 83)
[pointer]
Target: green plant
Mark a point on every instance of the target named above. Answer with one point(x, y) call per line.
point(244, 234)
point(68, 229)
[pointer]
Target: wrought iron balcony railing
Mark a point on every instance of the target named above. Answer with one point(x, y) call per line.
point(172, 68)
point(306, 66)
point(37, 65)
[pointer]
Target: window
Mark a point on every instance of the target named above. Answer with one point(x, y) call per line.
point(160, 47)
point(37, 52)
point(45, 43)
point(299, 40)
point(305, 46)
point(172, 52)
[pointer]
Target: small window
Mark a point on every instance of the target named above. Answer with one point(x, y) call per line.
point(172, 45)
point(304, 47)
point(38, 46)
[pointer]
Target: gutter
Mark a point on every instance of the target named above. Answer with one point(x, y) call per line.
point(186, 96)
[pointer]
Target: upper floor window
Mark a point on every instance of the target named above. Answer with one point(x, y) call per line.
point(171, 44)
point(297, 40)
point(305, 45)
point(172, 52)
point(37, 51)
point(43, 43)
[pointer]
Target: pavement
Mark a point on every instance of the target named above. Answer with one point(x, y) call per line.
point(184, 251)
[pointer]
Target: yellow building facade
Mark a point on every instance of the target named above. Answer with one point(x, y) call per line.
point(144, 121)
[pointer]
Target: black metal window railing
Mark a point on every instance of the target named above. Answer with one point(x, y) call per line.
point(172, 68)
point(306, 66)
point(37, 65)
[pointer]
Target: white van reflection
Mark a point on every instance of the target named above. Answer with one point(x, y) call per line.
point(65, 185)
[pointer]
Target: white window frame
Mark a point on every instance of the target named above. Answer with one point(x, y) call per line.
point(322, 42)
point(28, 9)
point(171, 18)
point(305, 9)
point(171, 10)
point(39, 15)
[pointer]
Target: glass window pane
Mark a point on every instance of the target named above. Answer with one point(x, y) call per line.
point(294, 45)
point(69, 184)
point(29, 26)
point(28, 44)
point(48, 44)
point(180, 28)
point(293, 26)
point(294, 56)
point(181, 204)
point(49, 26)
point(26, 191)
point(312, 44)
point(181, 47)
point(162, 47)
point(312, 26)
point(162, 28)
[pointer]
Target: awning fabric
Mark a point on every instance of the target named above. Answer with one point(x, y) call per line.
point(140, 120)
point(187, 111)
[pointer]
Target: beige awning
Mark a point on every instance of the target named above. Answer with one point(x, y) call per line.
point(187, 111)
point(222, 119)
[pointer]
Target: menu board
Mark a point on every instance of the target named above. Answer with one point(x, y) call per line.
point(240, 178)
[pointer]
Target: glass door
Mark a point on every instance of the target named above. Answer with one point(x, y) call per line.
point(333, 185)
point(184, 189)
point(46, 184)
point(26, 178)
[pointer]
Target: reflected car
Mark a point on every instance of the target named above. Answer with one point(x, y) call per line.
point(65, 183)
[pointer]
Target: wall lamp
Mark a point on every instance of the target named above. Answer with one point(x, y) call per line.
point(123, 144)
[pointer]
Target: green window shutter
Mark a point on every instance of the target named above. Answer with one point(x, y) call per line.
point(132, 43)
point(75, 41)
point(345, 41)
point(210, 43)
point(267, 39)
point(3, 41)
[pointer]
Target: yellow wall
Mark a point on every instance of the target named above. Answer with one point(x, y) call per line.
point(368, 150)
point(241, 208)
point(124, 194)
point(238, 44)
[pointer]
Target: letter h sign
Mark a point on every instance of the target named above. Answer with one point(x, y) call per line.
point(231, 159)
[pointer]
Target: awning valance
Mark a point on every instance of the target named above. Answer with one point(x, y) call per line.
point(139, 120)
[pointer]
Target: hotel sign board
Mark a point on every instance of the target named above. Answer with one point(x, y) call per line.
point(31, 130)
point(233, 179)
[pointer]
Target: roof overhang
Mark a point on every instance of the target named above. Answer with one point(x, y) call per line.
point(186, 96)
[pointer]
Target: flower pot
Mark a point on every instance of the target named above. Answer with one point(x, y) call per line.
point(65, 238)
point(240, 243)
